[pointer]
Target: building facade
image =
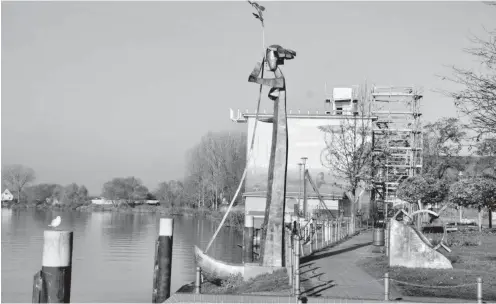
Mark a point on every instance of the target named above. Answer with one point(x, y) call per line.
point(310, 136)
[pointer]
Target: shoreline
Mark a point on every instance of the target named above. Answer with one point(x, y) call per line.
point(235, 219)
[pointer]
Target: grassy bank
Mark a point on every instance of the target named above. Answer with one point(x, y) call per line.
point(469, 261)
point(269, 284)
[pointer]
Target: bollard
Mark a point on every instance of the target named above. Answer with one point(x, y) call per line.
point(296, 284)
point(198, 280)
point(56, 267)
point(479, 290)
point(163, 261)
point(386, 286)
point(248, 240)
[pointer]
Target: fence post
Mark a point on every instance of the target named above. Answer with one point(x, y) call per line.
point(56, 267)
point(311, 228)
point(198, 280)
point(386, 239)
point(326, 224)
point(332, 232)
point(479, 290)
point(248, 240)
point(163, 261)
point(291, 254)
point(386, 286)
point(296, 282)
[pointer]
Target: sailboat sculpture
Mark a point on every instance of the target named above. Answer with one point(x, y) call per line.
point(276, 194)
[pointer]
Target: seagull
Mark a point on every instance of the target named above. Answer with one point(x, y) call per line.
point(56, 222)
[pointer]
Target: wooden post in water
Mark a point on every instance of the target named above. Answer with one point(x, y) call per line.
point(163, 261)
point(56, 270)
point(248, 240)
point(39, 295)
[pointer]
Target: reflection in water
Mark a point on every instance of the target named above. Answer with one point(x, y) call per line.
point(113, 252)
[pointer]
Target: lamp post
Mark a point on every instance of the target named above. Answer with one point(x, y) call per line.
point(304, 162)
point(299, 191)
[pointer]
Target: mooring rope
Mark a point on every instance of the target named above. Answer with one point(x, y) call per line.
point(250, 152)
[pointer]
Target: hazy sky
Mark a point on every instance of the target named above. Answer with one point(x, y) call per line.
point(96, 90)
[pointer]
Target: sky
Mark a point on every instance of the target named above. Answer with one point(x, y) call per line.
point(97, 90)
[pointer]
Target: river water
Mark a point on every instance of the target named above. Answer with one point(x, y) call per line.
point(113, 253)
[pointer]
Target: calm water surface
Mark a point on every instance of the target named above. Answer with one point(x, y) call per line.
point(112, 256)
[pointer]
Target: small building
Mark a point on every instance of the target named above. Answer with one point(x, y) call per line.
point(7, 196)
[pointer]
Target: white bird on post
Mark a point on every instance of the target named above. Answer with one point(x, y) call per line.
point(56, 222)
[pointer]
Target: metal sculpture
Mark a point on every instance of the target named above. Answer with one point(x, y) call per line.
point(272, 247)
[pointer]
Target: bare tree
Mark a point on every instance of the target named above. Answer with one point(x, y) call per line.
point(215, 166)
point(16, 177)
point(477, 99)
point(349, 147)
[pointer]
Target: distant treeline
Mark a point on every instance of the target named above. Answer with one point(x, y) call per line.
point(213, 171)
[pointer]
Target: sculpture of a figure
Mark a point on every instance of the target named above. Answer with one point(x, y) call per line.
point(272, 248)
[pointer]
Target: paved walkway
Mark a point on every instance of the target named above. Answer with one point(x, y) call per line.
point(333, 273)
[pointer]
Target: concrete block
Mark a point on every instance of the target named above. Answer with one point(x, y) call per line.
point(408, 250)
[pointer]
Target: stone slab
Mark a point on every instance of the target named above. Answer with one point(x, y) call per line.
point(407, 249)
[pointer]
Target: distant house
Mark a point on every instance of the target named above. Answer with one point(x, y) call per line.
point(104, 201)
point(7, 196)
point(101, 201)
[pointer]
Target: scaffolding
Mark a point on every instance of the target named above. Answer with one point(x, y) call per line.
point(397, 140)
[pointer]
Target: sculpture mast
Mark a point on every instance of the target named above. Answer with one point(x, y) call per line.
point(272, 249)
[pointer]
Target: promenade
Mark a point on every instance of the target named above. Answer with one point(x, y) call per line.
point(333, 274)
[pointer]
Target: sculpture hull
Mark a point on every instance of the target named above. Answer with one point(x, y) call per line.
point(216, 269)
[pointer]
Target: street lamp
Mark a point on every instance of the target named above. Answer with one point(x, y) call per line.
point(299, 191)
point(304, 162)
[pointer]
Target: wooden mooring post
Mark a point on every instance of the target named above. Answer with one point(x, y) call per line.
point(248, 239)
point(53, 283)
point(163, 261)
